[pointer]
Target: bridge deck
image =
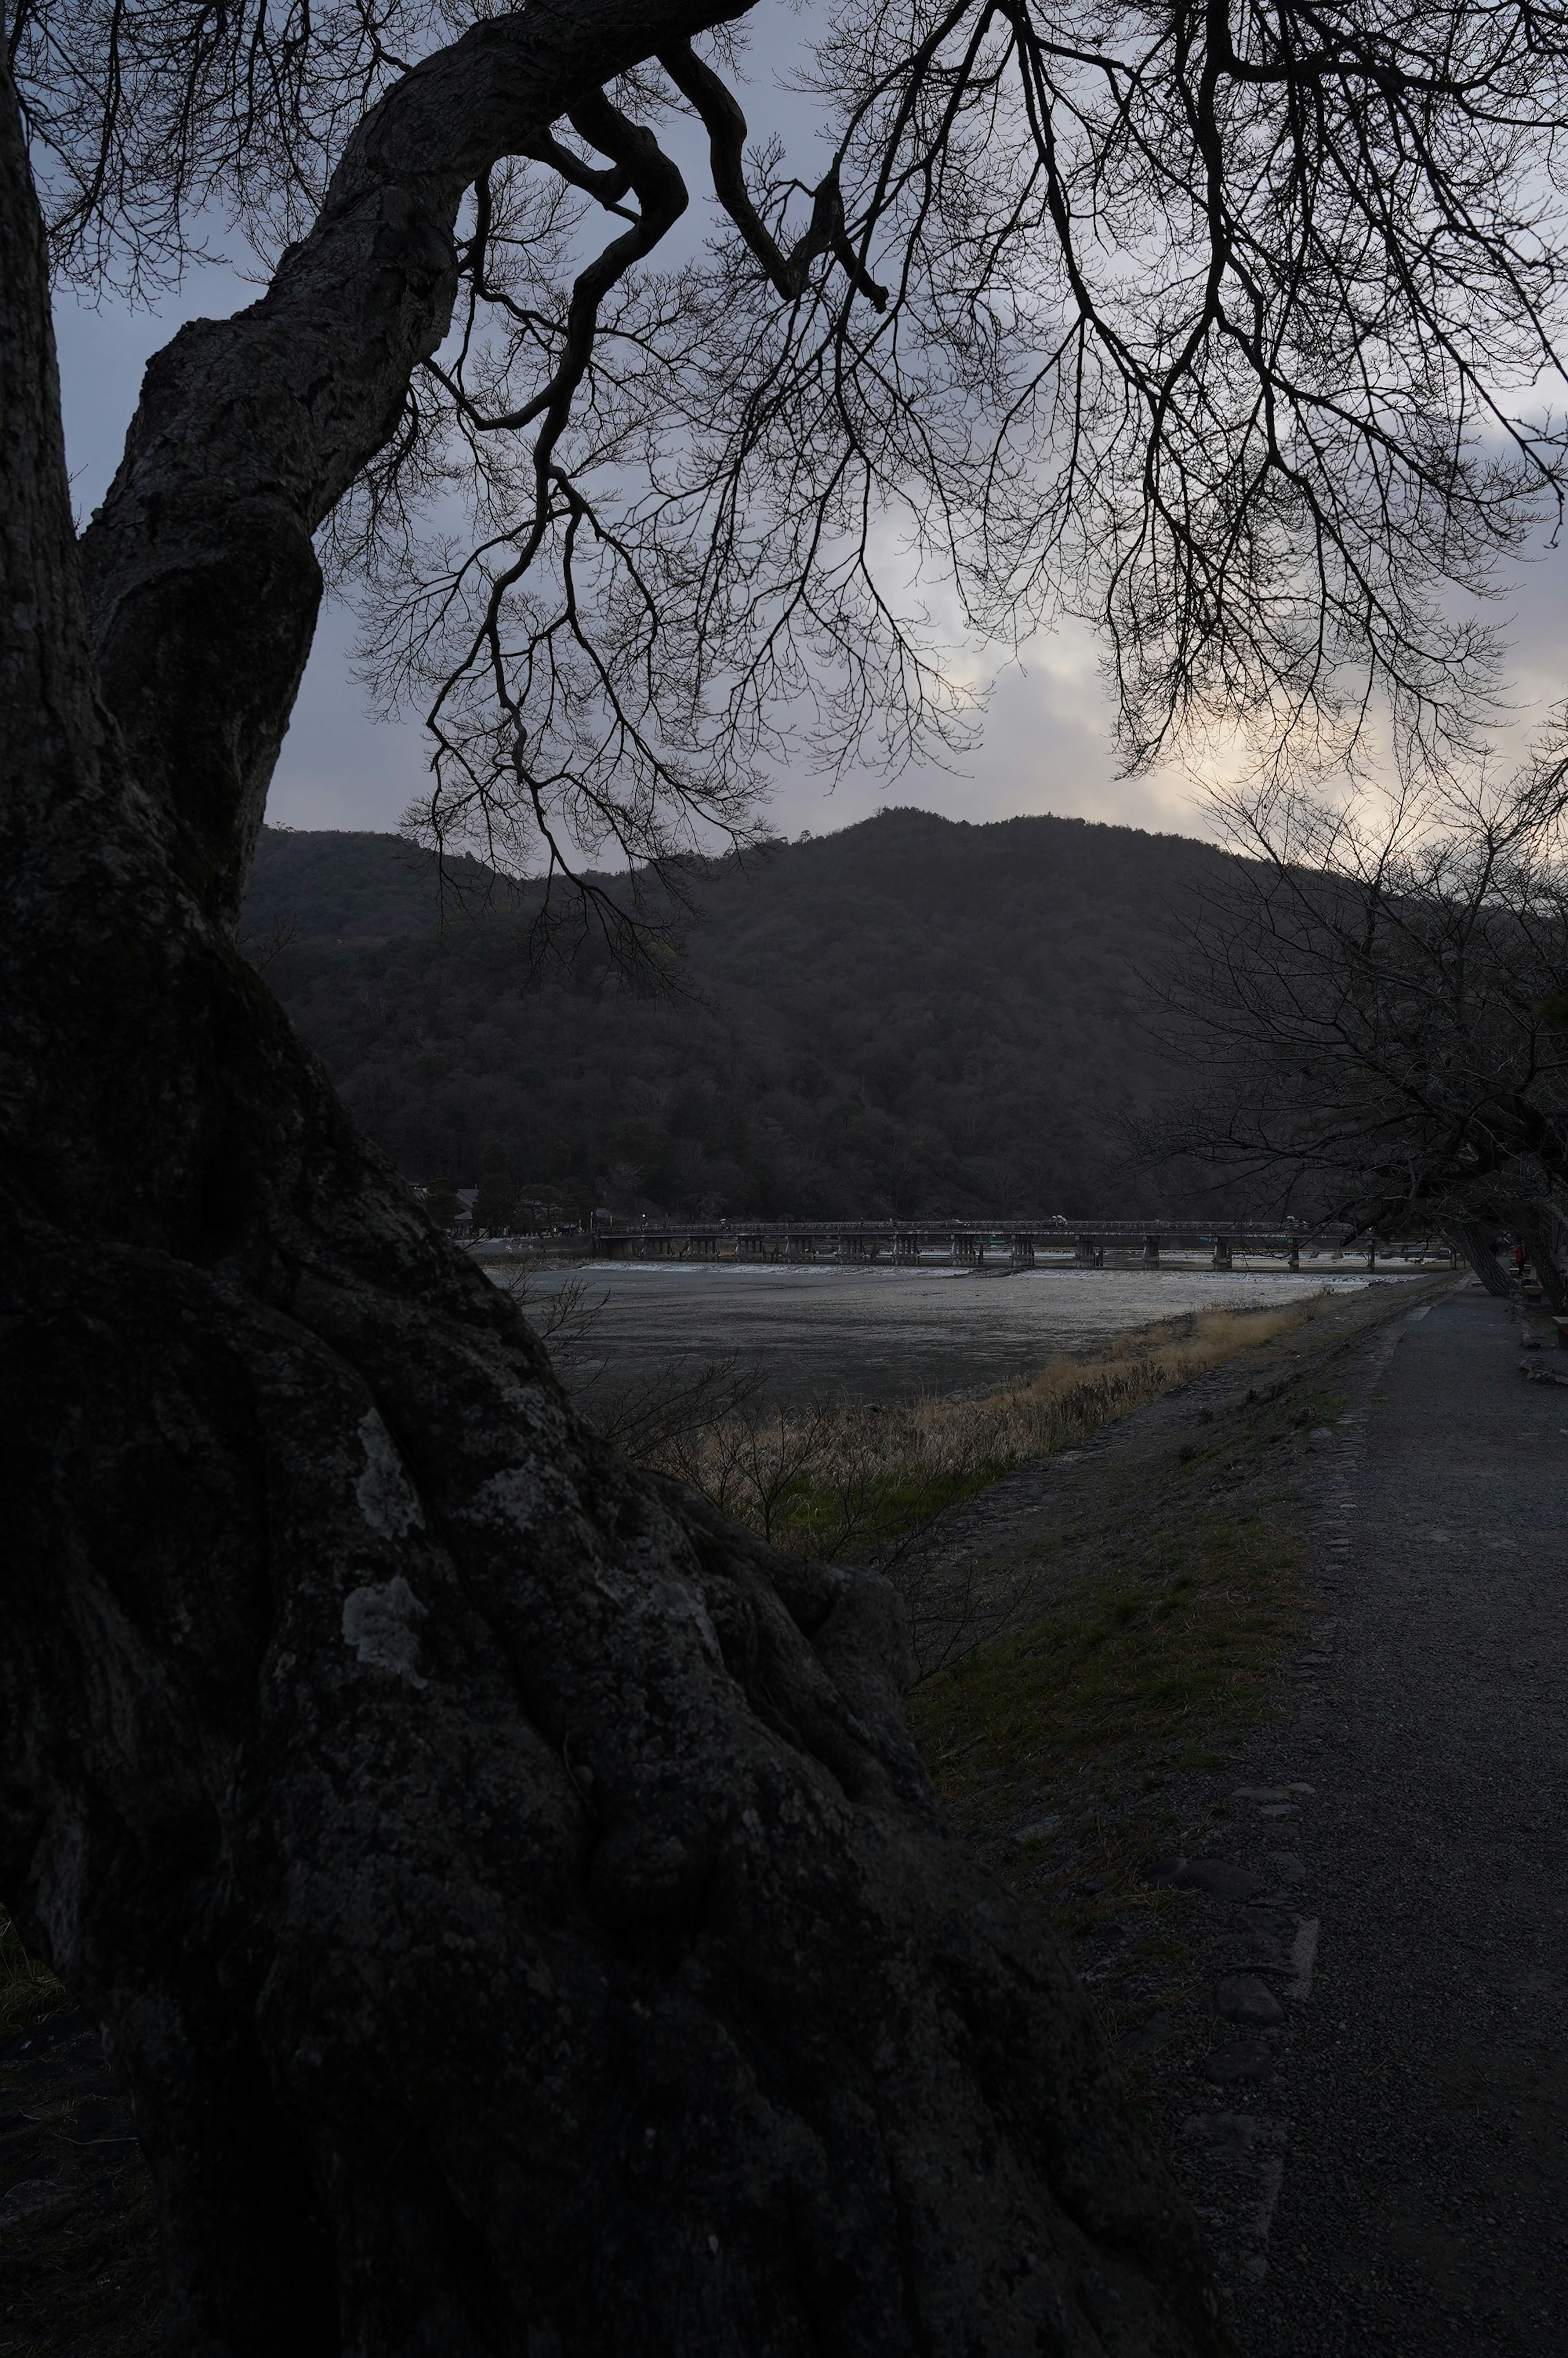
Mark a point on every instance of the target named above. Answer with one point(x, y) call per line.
point(974, 1242)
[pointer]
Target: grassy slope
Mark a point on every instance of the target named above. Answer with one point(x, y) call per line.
point(852, 1480)
point(1161, 1591)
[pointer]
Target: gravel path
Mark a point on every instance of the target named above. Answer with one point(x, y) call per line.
point(1420, 2095)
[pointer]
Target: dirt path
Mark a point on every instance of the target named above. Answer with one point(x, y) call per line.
point(1331, 1947)
point(1421, 2106)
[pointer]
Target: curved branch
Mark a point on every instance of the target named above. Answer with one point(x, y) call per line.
point(725, 125)
point(640, 164)
point(607, 188)
point(250, 429)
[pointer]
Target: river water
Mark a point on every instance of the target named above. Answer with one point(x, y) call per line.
point(879, 1334)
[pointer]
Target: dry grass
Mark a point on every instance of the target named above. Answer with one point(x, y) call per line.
point(1073, 1396)
point(853, 1480)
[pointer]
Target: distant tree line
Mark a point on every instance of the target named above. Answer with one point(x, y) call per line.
point(911, 1016)
point(1379, 994)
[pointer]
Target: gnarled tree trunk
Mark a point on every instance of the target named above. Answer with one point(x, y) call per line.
point(1536, 1228)
point(1475, 1240)
point(510, 1892)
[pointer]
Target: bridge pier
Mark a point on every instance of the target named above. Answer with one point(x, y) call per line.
point(1295, 1255)
point(1022, 1253)
point(967, 1249)
point(906, 1246)
point(1090, 1254)
point(1221, 1254)
point(802, 1247)
point(1150, 1252)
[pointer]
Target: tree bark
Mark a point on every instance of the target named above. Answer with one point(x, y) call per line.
point(202, 584)
point(1473, 1240)
point(510, 1893)
point(1536, 1231)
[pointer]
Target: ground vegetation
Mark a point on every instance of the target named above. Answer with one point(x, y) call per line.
point(877, 1482)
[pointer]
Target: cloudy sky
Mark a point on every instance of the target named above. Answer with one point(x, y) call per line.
point(1046, 738)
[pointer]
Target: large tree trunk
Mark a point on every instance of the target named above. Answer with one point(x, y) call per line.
point(510, 1893)
point(1536, 1230)
point(202, 584)
point(1474, 1240)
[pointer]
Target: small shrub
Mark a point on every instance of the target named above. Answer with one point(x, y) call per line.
point(28, 1991)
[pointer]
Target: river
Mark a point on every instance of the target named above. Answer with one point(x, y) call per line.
point(880, 1334)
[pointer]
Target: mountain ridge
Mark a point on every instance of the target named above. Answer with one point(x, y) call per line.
point(911, 1015)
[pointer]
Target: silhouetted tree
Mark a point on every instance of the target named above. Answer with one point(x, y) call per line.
point(511, 1894)
point(495, 1205)
point(1380, 996)
point(441, 1201)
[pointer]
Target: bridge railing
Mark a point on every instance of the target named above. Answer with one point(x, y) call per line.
point(977, 1243)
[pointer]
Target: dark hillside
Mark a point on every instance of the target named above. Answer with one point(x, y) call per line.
point(913, 1015)
point(329, 884)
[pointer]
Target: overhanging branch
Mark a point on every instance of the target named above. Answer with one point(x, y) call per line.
point(725, 125)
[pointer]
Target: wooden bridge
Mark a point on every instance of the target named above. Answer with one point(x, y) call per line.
point(974, 1244)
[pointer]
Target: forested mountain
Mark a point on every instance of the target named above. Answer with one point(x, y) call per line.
point(913, 1015)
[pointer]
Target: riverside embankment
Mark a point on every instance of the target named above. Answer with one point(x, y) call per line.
point(1275, 1739)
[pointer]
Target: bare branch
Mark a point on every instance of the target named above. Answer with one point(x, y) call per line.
point(1382, 995)
point(720, 111)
